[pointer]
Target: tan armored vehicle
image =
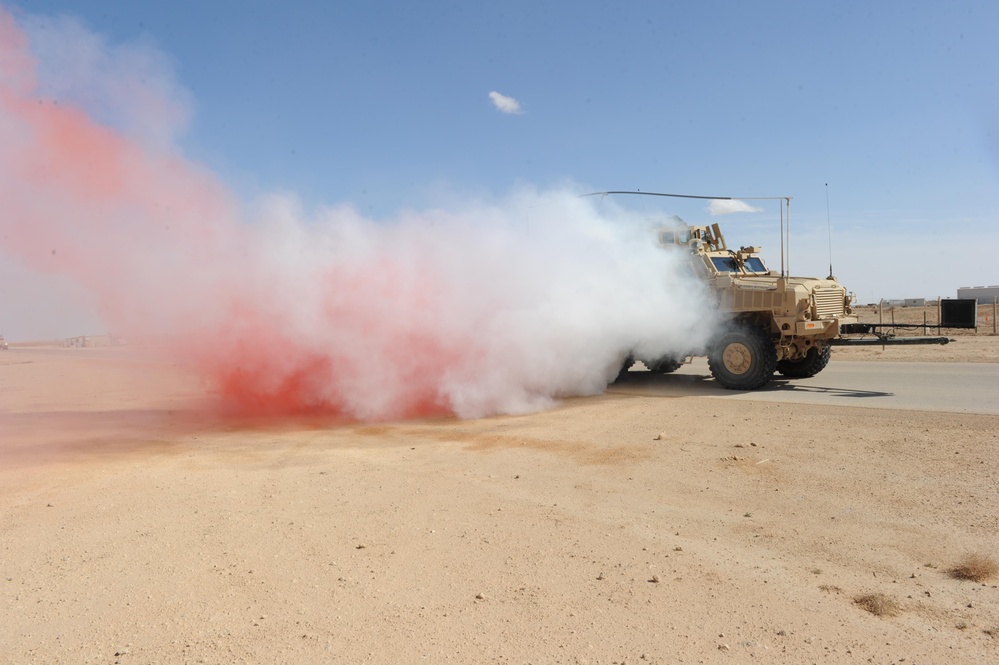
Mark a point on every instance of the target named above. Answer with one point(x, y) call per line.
point(778, 323)
point(775, 323)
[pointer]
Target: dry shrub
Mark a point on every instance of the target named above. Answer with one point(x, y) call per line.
point(879, 605)
point(975, 567)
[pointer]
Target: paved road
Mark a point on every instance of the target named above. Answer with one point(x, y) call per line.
point(953, 387)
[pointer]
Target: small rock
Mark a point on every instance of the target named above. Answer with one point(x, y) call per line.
point(479, 596)
point(655, 579)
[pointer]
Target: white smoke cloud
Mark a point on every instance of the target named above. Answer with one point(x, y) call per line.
point(505, 104)
point(480, 308)
point(730, 206)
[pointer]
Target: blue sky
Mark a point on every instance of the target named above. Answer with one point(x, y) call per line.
point(385, 105)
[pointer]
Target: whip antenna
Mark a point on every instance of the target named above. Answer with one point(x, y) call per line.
point(829, 228)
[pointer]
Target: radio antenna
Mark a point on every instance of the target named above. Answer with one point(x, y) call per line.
point(829, 228)
point(784, 204)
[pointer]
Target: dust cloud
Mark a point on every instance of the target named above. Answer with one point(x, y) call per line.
point(480, 307)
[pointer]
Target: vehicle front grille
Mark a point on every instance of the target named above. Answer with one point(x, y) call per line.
point(829, 302)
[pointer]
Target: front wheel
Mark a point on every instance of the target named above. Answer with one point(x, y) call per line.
point(744, 358)
point(814, 362)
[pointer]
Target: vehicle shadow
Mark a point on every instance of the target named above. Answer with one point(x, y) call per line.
point(690, 384)
point(781, 384)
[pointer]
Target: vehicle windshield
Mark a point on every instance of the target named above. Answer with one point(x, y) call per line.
point(753, 264)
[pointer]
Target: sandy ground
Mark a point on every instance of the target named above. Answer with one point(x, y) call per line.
point(136, 529)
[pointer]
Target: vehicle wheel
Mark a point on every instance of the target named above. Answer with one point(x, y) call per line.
point(625, 366)
point(663, 365)
point(814, 362)
point(744, 358)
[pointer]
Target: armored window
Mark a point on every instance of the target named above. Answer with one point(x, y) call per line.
point(753, 264)
point(724, 264)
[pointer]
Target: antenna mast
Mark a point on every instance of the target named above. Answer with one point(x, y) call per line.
point(786, 203)
point(829, 227)
point(782, 272)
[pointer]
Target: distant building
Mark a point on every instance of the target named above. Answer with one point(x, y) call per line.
point(986, 295)
point(95, 340)
point(914, 302)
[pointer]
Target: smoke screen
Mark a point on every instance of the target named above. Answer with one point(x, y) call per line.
point(476, 308)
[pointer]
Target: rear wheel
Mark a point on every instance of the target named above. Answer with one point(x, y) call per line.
point(625, 367)
point(814, 362)
point(743, 358)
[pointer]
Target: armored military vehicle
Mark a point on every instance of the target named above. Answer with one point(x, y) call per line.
point(774, 322)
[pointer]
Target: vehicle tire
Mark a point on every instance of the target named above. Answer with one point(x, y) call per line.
point(743, 358)
point(814, 362)
point(663, 365)
point(625, 366)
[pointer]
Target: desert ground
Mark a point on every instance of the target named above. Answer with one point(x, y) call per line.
point(621, 528)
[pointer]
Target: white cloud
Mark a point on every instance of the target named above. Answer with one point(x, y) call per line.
point(505, 104)
point(729, 206)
